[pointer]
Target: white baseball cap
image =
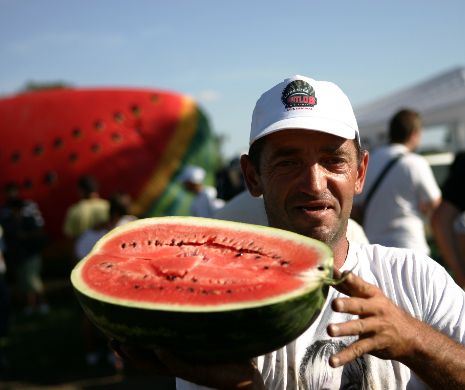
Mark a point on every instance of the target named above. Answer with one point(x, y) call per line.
point(300, 102)
point(193, 174)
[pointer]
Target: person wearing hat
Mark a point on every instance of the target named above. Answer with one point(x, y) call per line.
point(398, 319)
point(205, 202)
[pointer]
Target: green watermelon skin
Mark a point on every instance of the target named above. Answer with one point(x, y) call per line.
point(280, 302)
point(208, 336)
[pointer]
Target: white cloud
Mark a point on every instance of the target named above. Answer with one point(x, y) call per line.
point(208, 96)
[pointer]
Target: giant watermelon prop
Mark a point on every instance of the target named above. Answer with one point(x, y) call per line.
point(131, 140)
point(204, 289)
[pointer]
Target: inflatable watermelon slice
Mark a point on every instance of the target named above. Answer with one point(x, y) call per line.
point(204, 289)
point(131, 140)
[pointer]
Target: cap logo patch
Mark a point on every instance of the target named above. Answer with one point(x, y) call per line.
point(298, 94)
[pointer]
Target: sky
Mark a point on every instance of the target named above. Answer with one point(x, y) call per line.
point(225, 54)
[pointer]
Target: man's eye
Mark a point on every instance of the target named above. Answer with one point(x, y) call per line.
point(286, 163)
point(334, 161)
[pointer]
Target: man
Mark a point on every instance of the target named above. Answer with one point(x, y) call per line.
point(205, 201)
point(407, 193)
point(448, 220)
point(24, 239)
point(89, 212)
point(402, 327)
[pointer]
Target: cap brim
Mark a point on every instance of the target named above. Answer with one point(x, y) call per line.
point(325, 125)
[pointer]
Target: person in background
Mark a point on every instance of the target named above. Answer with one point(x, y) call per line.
point(90, 211)
point(120, 204)
point(447, 220)
point(408, 192)
point(4, 308)
point(396, 321)
point(95, 344)
point(24, 238)
point(205, 202)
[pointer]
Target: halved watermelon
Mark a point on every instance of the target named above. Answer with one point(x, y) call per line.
point(203, 288)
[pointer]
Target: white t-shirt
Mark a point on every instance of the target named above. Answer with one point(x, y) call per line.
point(414, 282)
point(393, 216)
point(206, 203)
point(249, 209)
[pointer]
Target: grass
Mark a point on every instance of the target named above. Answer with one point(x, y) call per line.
point(46, 351)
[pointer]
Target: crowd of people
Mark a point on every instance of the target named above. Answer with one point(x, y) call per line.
point(305, 171)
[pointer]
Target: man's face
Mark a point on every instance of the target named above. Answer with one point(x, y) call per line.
point(308, 180)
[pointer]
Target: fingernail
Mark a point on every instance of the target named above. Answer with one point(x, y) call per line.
point(333, 329)
point(334, 362)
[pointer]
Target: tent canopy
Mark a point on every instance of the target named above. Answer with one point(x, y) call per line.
point(440, 101)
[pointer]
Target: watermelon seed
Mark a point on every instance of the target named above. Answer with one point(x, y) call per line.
point(134, 244)
point(190, 289)
point(99, 125)
point(258, 257)
point(284, 263)
point(266, 267)
point(171, 277)
point(73, 157)
point(77, 132)
point(15, 157)
point(321, 268)
point(136, 111)
point(157, 243)
point(205, 292)
point(136, 286)
point(58, 143)
point(116, 137)
point(38, 150)
point(229, 291)
point(149, 242)
point(238, 254)
point(145, 276)
point(118, 117)
point(123, 245)
point(194, 280)
point(50, 177)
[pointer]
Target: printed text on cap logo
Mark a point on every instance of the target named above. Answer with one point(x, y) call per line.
point(298, 94)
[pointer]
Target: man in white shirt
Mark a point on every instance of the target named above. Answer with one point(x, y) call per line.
point(205, 202)
point(396, 322)
point(407, 193)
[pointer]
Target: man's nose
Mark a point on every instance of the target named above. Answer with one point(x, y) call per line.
point(313, 179)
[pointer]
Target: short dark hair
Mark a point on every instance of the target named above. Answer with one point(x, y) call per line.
point(120, 203)
point(255, 151)
point(403, 124)
point(88, 184)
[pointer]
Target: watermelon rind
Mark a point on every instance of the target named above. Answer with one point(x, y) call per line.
point(221, 332)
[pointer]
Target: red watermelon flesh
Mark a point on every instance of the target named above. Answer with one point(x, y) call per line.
point(172, 264)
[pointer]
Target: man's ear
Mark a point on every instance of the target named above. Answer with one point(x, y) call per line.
point(361, 172)
point(251, 176)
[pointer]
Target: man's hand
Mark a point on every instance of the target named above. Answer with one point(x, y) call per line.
point(384, 329)
point(237, 375)
point(388, 332)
